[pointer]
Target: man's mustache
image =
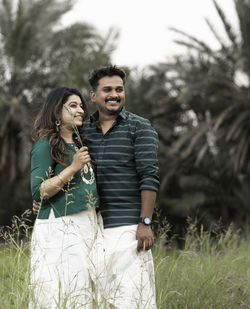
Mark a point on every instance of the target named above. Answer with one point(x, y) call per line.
point(117, 99)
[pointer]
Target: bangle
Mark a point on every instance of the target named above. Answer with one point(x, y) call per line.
point(60, 177)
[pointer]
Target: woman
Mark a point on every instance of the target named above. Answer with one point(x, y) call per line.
point(66, 229)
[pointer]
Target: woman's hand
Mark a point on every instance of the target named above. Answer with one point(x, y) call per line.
point(81, 157)
point(52, 186)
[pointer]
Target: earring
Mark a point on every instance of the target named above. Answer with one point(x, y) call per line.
point(57, 123)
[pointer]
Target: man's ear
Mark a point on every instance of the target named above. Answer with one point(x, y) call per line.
point(92, 96)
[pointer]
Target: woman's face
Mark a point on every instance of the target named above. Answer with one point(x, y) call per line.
point(72, 112)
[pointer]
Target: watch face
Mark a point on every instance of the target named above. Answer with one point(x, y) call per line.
point(147, 220)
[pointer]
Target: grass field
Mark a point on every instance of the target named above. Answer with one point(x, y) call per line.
point(209, 273)
point(206, 274)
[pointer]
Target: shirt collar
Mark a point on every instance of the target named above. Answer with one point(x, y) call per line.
point(122, 114)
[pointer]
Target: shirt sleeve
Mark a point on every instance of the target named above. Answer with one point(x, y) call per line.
point(41, 167)
point(146, 156)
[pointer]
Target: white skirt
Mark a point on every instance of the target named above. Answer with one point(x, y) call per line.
point(64, 261)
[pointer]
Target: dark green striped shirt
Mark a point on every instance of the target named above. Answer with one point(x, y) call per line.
point(126, 164)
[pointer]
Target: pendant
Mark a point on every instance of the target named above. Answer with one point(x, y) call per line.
point(85, 169)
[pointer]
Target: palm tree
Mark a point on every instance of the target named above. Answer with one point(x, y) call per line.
point(215, 93)
point(204, 125)
point(36, 54)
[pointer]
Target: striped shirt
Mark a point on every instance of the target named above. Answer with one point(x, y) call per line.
point(126, 164)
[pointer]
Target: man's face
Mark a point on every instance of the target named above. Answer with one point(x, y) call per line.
point(109, 95)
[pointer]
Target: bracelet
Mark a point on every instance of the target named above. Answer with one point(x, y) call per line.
point(60, 177)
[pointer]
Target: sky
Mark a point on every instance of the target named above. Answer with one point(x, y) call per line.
point(145, 37)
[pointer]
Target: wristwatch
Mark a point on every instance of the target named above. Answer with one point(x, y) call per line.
point(145, 220)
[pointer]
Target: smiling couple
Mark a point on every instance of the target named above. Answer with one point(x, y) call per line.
point(80, 259)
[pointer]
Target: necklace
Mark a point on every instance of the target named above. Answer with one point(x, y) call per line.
point(84, 171)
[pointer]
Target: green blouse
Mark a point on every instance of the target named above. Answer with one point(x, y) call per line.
point(78, 194)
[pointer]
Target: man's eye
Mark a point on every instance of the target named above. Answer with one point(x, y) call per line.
point(119, 89)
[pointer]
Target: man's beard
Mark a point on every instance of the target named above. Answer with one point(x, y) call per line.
point(107, 111)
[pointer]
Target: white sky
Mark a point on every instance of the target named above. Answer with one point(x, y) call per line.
point(143, 24)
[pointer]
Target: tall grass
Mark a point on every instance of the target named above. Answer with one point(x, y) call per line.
point(211, 271)
point(14, 263)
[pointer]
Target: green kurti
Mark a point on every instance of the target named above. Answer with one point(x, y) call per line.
point(76, 195)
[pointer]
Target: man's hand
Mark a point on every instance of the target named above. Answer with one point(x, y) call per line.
point(36, 207)
point(145, 237)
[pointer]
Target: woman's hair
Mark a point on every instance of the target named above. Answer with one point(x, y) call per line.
point(50, 114)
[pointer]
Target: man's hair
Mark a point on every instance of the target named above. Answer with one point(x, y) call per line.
point(101, 72)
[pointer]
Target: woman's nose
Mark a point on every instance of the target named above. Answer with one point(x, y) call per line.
point(80, 110)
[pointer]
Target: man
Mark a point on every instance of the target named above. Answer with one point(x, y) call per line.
point(124, 146)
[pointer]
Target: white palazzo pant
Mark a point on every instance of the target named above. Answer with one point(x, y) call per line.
point(63, 261)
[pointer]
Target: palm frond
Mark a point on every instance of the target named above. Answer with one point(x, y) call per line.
point(201, 154)
point(242, 152)
point(200, 43)
point(224, 47)
point(191, 137)
point(6, 17)
point(194, 140)
point(243, 11)
point(228, 28)
point(222, 116)
point(190, 45)
point(237, 123)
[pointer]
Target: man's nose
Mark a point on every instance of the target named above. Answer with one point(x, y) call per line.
point(114, 93)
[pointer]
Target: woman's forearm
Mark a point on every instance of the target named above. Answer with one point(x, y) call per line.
point(53, 185)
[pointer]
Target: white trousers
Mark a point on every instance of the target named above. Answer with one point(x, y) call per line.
point(75, 263)
point(128, 275)
point(62, 261)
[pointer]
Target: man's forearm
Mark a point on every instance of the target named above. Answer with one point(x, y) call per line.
point(148, 199)
point(144, 233)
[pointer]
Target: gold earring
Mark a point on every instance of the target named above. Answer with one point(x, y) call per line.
point(58, 123)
